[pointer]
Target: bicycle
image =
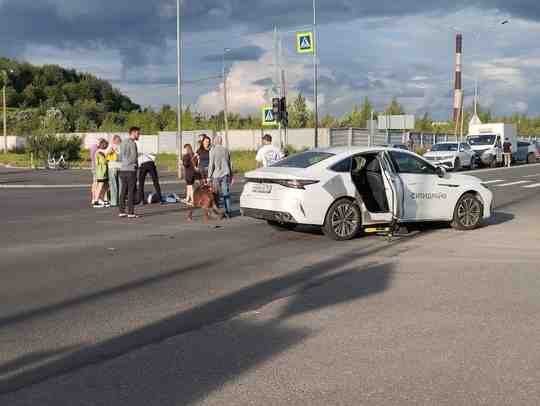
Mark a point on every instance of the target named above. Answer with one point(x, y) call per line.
point(56, 164)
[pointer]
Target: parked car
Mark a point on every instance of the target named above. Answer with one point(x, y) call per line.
point(536, 145)
point(452, 155)
point(344, 190)
point(396, 146)
point(526, 152)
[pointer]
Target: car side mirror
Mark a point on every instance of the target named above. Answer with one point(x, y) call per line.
point(441, 172)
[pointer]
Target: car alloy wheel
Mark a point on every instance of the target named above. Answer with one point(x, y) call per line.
point(469, 213)
point(343, 220)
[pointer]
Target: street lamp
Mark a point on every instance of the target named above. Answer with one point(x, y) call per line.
point(225, 97)
point(315, 73)
point(179, 146)
point(4, 83)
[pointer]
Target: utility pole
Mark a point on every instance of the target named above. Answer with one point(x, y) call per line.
point(316, 73)
point(179, 144)
point(5, 113)
point(284, 94)
point(4, 103)
point(225, 99)
point(371, 128)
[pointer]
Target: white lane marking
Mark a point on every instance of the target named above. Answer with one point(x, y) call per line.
point(521, 182)
point(532, 176)
point(535, 185)
point(488, 170)
point(490, 182)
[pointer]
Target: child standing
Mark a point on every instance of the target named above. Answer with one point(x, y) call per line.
point(102, 175)
point(189, 171)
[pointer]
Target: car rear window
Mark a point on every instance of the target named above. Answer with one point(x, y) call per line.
point(303, 160)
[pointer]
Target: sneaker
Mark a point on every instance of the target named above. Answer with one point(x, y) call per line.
point(107, 204)
point(98, 205)
point(122, 215)
point(133, 216)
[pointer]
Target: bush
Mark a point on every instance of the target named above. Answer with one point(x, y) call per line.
point(420, 151)
point(43, 145)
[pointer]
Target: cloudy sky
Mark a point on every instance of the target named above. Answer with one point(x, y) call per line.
point(379, 49)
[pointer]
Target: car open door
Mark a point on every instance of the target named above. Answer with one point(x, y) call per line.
point(393, 186)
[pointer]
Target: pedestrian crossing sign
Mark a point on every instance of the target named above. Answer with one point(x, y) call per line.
point(305, 43)
point(268, 118)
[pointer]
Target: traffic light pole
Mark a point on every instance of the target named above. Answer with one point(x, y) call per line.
point(315, 73)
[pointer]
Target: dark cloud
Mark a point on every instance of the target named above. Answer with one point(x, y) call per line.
point(131, 26)
point(247, 53)
point(266, 82)
point(127, 26)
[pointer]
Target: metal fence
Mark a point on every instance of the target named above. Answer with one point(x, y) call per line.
point(358, 137)
point(424, 140)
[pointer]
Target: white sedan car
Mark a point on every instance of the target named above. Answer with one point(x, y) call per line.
point(345, 190)
point(452, 155)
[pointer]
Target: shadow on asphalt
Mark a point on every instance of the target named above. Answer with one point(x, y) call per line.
point(44, 311)
point(33, 358)
point(499, 218)
point(252, 343)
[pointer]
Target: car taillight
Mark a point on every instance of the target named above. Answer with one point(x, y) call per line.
point(295, 183)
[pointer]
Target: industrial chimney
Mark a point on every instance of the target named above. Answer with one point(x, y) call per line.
point(458, 89)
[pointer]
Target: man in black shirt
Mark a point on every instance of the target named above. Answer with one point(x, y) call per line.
point(507, 152)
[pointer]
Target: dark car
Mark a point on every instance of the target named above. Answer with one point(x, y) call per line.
point(396, 146)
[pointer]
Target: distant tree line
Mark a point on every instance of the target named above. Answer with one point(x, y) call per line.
point(81, 102)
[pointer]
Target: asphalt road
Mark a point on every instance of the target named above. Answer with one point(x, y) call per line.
point(100, 311)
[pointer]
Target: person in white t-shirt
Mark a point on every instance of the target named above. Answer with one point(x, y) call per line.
point(268, 154)
point(147, 166)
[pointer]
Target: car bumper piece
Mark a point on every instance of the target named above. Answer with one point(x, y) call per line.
point(269, 215)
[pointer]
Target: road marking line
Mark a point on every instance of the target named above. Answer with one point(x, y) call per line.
point(490, 182)
point(487, 170)
point(535, 185)
point(532, 176)
point(521, 182)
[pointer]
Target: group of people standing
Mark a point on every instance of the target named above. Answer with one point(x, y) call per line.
point(210, 164)
point(115, 166)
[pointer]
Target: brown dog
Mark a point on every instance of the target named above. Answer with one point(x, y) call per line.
point(204, 198)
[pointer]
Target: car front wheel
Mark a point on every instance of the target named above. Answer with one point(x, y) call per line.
point(343, 220)
point(469, 213)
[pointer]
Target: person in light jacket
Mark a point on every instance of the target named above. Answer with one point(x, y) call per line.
point(220, 173)
point(129, 157)
point(113, 157)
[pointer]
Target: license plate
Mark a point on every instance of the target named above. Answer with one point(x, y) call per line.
point(261, 188)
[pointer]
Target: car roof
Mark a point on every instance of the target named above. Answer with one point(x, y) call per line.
point(340, 151)
point(346, 151)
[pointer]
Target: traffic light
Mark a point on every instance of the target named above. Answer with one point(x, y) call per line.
point(276, 108)
point(279, 109)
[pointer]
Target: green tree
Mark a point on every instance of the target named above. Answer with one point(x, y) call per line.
point(395, 109)
point(299, 114)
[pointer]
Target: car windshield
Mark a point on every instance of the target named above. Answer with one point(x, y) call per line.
point(445, 147)
point(303, 160)
point(488, 139)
